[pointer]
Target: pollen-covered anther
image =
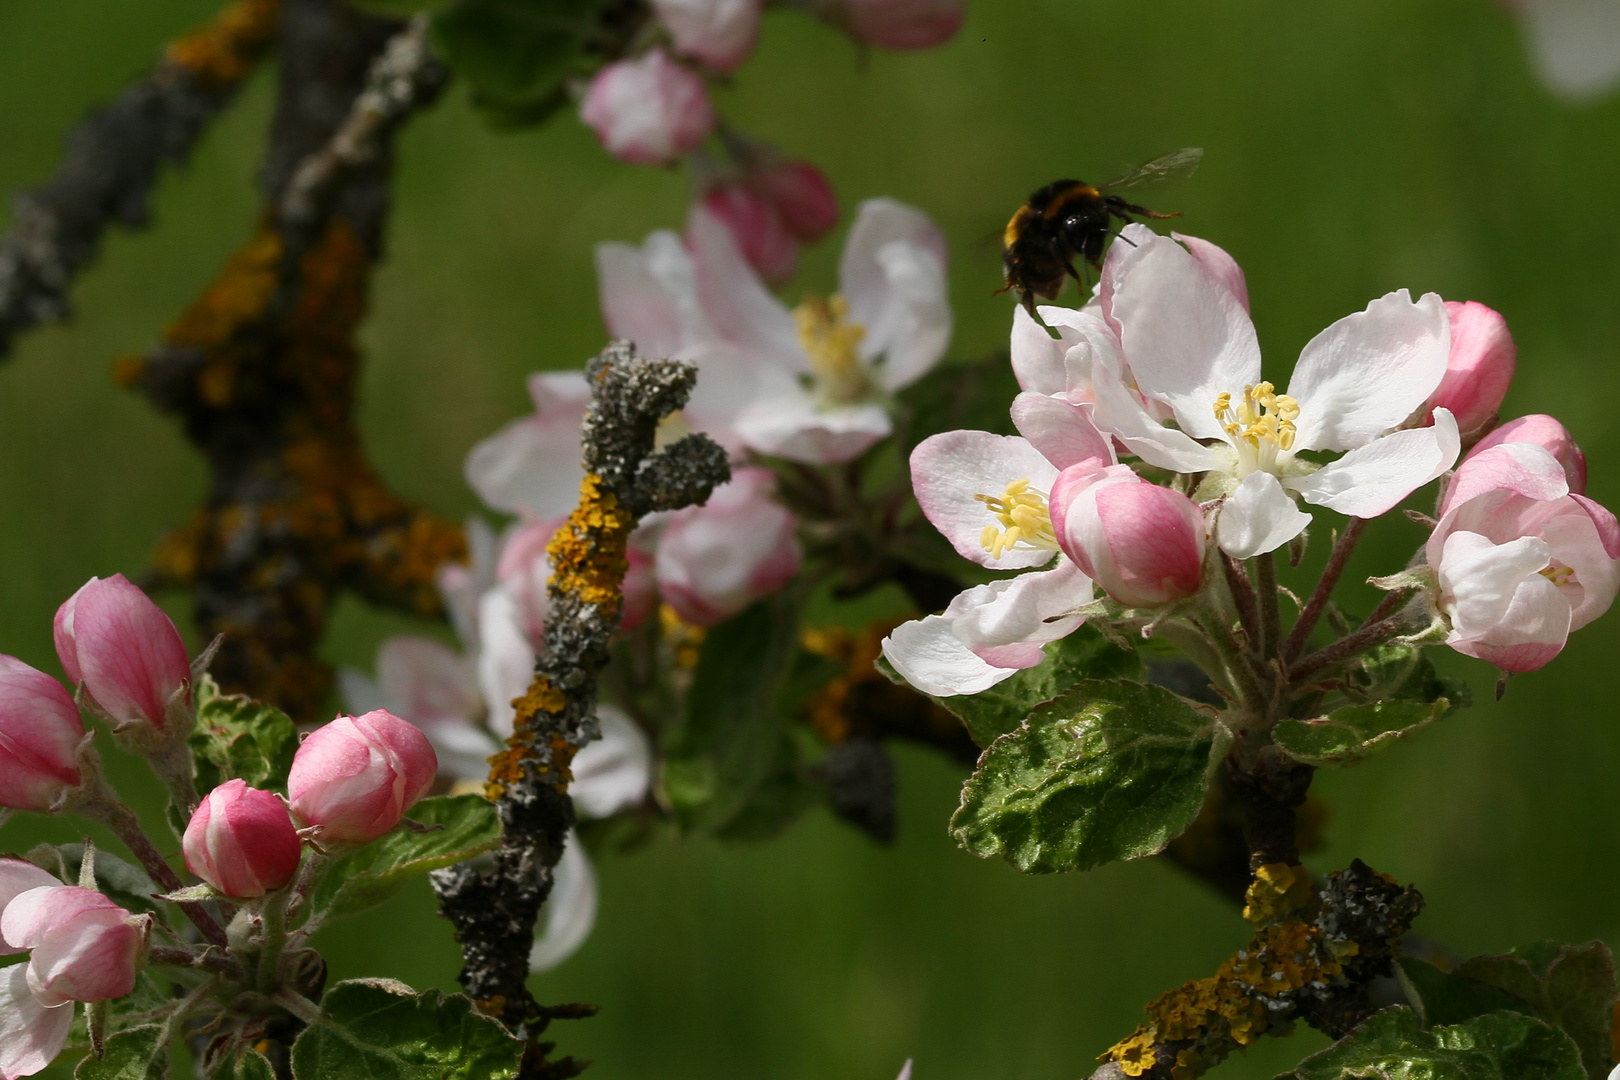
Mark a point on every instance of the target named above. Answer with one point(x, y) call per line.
point(1263, 416)
point(1025, 520)
point(1560, 575)
point(833, 344)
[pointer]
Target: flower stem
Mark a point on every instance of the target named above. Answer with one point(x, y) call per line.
point(1242, 590)
point(1240, 672)
point(1270, 617)
point(1371, 633)
point(207, 959)
point(105, 808)
point(273, 940)
point(1318, 602)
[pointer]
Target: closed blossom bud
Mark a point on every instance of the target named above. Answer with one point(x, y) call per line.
point(40, 731)
point(904, 24)
point(1547, 433)
point(758, 229)
point(114, 640)
point(648, 111)
point(719, 33)
point(1480, 366)
point(358, 775)
point(242, 841)
point(802, 196)
point(1144, 544)
point(716, 559)
point(82, 946)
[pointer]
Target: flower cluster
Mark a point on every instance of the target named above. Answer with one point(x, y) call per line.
point(1163, 366)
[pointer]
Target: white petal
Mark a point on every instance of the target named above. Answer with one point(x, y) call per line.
point(791, 425)
point(949, 469)
point(361, 693)
point(16, 878)
point(1219, 262)
point(649, 294)
point(613, 772)
point(1531, 631)
point(429, 680)
point(461, 586)
point(1575, 45)
point(928, 655)
point(1016, 610)
point(463, 749)
point(1373, 479)
point(738, 305)
point(532, 466)
point(730, 379)
point(1061, 431)
point(892, 273)
point(1184, 334)
point(506, 662)
point(1037, 357)
point(30, 1034)
point(1120, 413)
point(570, 909)
point(1369, 371)
point(1259, 517)
point(1478, 578)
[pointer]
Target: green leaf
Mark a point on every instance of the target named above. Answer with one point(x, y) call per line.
point(239, 738)
point(251, 1065)
point(1109, 770)
point(1442, 998)
point(1572, 986)
point(1351, 735)
point(382, 1030)
point(139, 1053)
point(730, 744)
point(1084, 654)
point(371, 874)
point(1405, 672)
point(1496, 1046)
point(517, 55)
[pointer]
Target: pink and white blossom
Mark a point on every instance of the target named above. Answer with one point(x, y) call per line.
point(532, 466)
point(648, 111)
point(1547, 433)
point(16, 878)
point(758, 229)
point(40, 732)
point(1190, 346)
point(125, 652)
point(356, 776)
point(32, 1034)
point(904, 24)
point(801, 194)
point(81, 946)
point(1480, 367)
point(716, 559)
point(241, 841)
point(718, 33)
point(1144, 544)
point(1520, 561)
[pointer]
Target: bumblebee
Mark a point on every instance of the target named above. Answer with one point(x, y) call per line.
point(1070, 219)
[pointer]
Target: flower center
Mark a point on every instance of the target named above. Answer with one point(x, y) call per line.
point(1260, 425)
point(1025, 522)
point(832, 342)
point(1560, 575)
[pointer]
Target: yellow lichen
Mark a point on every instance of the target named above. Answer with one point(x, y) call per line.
point(588, 553)
point(1278, 890)
point(222, 52)
point(1135, 1054)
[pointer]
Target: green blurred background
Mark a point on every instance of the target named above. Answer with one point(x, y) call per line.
point(1353, 147)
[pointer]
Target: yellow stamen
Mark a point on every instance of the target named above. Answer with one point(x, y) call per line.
point(832, 343)
point(1025, 521)
point(1263, 416)
point(1560, 575)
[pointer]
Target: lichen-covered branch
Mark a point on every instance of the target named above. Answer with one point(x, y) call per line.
point(113, 158)
point(263, 371)
point(494, 908)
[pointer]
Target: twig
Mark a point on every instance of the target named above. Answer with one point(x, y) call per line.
point(1270, 617)
point(1242, 589)
point(1342, 549)
point(1371, 633)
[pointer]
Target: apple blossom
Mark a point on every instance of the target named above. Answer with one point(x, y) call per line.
point(31, 1033)
point(1480, 366)
point(125, 652)
point(759, 230)
point(241, 841)
point(1547, 433)
point(904, 24)
point(719, 33)
point(356, 776)
point(1520, 561)
point(81, 946)
point(1191, 347)
point(1142, 543)
point(716, 559)
point(531, 466)
point(40, 732)
point(16, 878)
point(648, 111)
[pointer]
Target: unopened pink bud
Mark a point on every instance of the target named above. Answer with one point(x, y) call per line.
point(758, 229)
point(904, 24)
point(40, 731)
point(719, 33)
point(1480, 367)
point(358, 775)
point(242, 841)
point(1142, 543)
point(111, 637)
point(802, 195)
point(82, 946)
point(1547, 433)
point(648, 111)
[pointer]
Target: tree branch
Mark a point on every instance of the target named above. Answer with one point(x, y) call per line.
point(1342, 549)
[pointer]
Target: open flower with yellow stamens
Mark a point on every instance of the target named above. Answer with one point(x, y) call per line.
point(1188, 345)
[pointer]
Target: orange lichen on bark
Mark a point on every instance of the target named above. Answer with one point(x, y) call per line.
point(860, 700)
point(588, 554)
point(550, 761)
point(224, 50)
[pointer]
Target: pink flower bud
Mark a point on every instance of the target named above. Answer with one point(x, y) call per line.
point(802, 195)
point(40, 732)
point(720, 33)
point(242, 841)
point(358, 775)
point(1547, 433)
point(1144, 544)
point(82, 946)
point(648, 111)
point(758, 229)
point(716, 559)
point(1480, 367)
point(904, 24)
point(126, 652)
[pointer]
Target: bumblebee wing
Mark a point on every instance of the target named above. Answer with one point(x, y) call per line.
point(1177, 164)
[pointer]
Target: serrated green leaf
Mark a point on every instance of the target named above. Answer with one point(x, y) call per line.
point(382, 1030)
point(1350, 735)
point(371, 874)
point(1497, 1046)
point(1107, 771)
point(1084, 654)
point(516, 55)
point(239, 738)
point(139, 1053)
point(1571, 986)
